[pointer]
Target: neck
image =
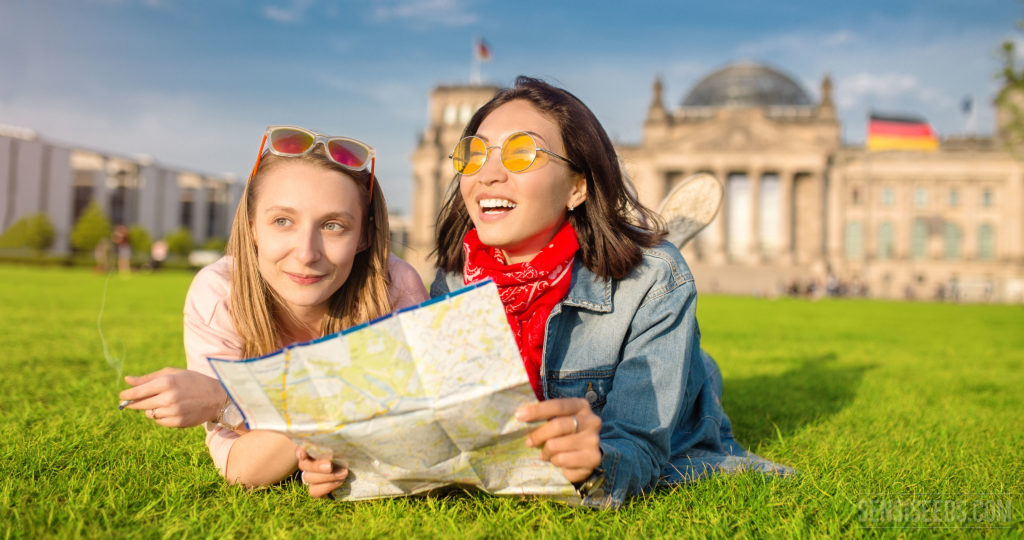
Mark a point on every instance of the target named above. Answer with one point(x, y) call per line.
point(526, 251)
point(301, 325)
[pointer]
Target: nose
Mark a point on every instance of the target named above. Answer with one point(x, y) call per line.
point(492, 170)
point(309, 246)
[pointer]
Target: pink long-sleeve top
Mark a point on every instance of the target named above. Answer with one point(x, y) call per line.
point(210, 332)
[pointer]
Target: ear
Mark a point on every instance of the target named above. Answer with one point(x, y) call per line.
point(578, 193)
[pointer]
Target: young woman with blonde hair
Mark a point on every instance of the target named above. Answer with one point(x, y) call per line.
point(308, 255)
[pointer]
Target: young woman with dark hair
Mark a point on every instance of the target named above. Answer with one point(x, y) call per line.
point(603, 310)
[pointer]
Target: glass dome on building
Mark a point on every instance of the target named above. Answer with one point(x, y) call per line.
point(746, 85)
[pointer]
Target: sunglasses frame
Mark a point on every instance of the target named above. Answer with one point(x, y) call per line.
point(487, 153)
point(319, 138)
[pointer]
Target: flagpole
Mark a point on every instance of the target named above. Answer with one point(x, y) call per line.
point(474, 69)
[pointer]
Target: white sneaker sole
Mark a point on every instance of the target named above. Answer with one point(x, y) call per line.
point(690, 207)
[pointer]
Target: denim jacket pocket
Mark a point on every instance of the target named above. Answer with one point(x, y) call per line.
point(591, 385)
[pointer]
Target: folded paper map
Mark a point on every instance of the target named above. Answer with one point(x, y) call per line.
point(414, 401)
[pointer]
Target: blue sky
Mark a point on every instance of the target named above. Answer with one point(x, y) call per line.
point(193, 83)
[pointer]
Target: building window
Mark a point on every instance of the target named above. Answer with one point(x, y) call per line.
point(855, 196)
point(118, 204)
point(211, 219)
point(449, 114)
point(887, 197)
point(986, 242)
point(854, 240)
point(185, 209)
point(465, 113)
point(919, 239)
point(986, 198)
point(954, 197)
point(951, 237)
point(82, 198)
point(885, 241)
point(920, 197)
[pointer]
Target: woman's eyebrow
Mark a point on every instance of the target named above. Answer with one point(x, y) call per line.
point(339, 215)
point(288, 209)
point(279, 208)
point(531, 133)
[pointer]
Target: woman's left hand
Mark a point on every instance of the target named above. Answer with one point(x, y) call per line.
point(570, 438)
point(321, 476)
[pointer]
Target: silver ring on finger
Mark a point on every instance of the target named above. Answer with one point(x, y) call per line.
point(303, 478)
point(575, 424)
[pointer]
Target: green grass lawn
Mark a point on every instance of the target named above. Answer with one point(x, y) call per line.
point(903, 420)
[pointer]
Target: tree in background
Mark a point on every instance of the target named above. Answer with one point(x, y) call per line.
point(1011, 98)
point(139, 238)
point(180, 242)
point(35, 231)
point(90, 229)
point(215, 243)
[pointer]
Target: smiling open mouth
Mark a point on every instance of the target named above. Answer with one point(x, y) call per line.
point(496, 205)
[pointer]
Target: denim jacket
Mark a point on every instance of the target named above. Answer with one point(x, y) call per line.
point(631, 348)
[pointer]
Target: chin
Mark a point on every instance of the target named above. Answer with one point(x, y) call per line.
point(491, 238)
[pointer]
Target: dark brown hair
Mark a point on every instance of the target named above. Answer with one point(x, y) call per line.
point(611, 225)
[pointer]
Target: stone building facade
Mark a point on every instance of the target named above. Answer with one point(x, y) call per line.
point(42, 176)
point(801, 209)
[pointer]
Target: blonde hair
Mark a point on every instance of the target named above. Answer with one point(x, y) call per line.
point(257, 311)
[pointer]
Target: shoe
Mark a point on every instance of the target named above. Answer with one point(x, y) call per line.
point(690, 206)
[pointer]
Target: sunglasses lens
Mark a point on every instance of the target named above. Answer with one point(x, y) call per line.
point(518, 152)
point(291, 141)
point(348, 153)
point(469, 155)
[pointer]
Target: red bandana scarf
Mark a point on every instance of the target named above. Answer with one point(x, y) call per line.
point(529, 290)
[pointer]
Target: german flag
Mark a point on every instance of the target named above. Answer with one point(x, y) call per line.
point(886, 132)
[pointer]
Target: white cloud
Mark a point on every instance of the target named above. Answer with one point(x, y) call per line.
point(288, 14)
point(441, 12)
point(842, 37)
point(796, 43)
point(886, 85)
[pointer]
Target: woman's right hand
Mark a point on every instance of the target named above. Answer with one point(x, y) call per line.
point(321, 476)
point(175, 397)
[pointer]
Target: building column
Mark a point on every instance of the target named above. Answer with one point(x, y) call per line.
point(1012, 246)
point(100, 193)
point(720, 251)
point(149, 193)
point(834, 222)
point(29, 177)
point(170, 203)
point(786, 218)
point(200, 212)
point(754, 254)
point(60, 198)
point(427, 194)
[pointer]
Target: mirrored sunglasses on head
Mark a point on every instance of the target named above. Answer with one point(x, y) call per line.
point(518, 153)
point(291, 141)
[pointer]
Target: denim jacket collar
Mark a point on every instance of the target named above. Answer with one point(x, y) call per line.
point(588, 291)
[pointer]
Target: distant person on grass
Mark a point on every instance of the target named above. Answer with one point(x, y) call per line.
point(308, 255)
point(603, 311)
point(123, 245)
